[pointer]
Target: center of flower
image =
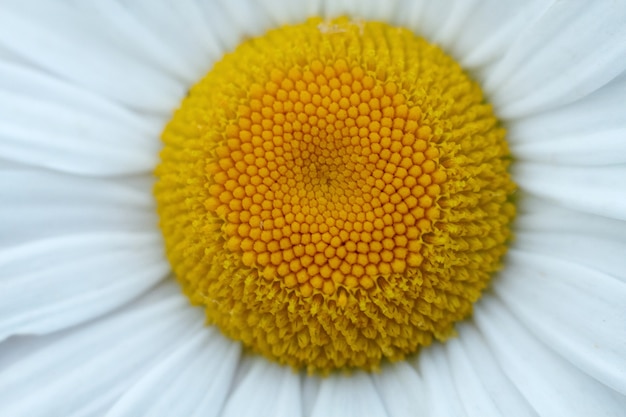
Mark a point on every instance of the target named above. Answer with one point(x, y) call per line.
point(335, 189)
point(335, 193)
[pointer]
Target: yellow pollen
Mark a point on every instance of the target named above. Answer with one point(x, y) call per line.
point(335, 194)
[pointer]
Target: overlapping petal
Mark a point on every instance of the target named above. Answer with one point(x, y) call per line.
point(84, 91)
point(550, 383)
point(193, 379)
point(86, 370)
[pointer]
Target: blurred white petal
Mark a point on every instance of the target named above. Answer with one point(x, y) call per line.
point(353, 396)
point(194, 379)
point(85, 89)
point(554, 60)
point(581, 323)
point(551, 384)
point(250, 397)
point(86, 370)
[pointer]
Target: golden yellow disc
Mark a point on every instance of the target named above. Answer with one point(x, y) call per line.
point(335, 193)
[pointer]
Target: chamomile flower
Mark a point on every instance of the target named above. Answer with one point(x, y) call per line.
point(371, 208)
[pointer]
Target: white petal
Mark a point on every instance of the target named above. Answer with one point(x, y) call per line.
point(487, 30)
point(340, 8)
point(441, 395)
point(552, 385)
point(475, 32)
point(310, 390)
point(490, 375)
point(576, 311)
point(314, 7)
point(85, 371)
point(401, 389)
point(597, 190)
point(410, 14)
point(587, 132)
point(378, 10)
point(540, 215)
point(598, 148)
point(476, 400)
point(193, 378)
point(16, 348)
point(571, 50)
point(348, 396)
point(172, 35)
point(49, 123)
point(596, 112)
point(232, 21)
point(78, 45)
point(249, 16)
point(266, 389)
point(442, 20)
point(284, 12)
point(52, 284)
point(370, 10)
point(197, 33)
point(225, 33)
point(38, 204)
point(593, 251)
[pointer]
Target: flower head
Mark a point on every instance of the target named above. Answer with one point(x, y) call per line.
point(91, 319)
point(334, 193)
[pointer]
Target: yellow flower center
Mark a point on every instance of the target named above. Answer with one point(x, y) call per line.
point(334, 194)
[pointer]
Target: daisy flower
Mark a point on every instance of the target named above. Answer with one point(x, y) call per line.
point(381, 208)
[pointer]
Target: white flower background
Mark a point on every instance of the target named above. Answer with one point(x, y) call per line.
point(91, 320)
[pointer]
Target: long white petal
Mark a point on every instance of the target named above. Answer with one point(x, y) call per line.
point(540, 215)
point(194, 378)
point(571, 50)
point(504, 394)
point(39, 204)
point(597, 190)
point(78, 45)
point(284, 12)
point(589, 131)
point(551, 384)
point(475, 32)
point(401, 389)
point(48, 122)
point(174, 37)
point(348, 396)
point(55, 283)
point(599, 148)
point(578, 312)
point(310, 391)
point(88, 369)
point(232, 21)
point(16, 348)
point(488, 30)
point(476, 400)
point(265, 389)
point(592, 251)
point(440, 391)
point(593, 241)
point(370, 10)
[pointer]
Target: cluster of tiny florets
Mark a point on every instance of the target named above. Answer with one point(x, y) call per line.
point(335, 194)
